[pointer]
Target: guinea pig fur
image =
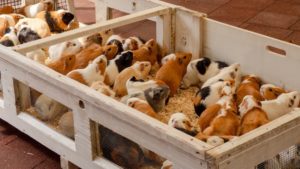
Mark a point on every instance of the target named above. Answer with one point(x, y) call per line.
point(215, 141)
point(116, 66)
point(66, 124)
point(6, 10)
point(101, 87)
point(209, 95)
point(8, 20)
point(134, 85)
point(142, 106)
point(116, 40)
point(31, 11)
point(38, 55)
point(48, 109)
point(147, 52)
point(140, 70)
point(132, 43)
point(10, 37)
point(284, 104)
point(252, 114)
point(173, 71)
point(62, 65)
point(232, 72)
point(58, 21)
point(167, 165)
point(71, 47)
point(92, 73)
point(250, 86)
point(270, 91)
point(180, 121)
point(165, 59)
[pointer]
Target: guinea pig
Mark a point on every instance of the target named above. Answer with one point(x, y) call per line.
point(134, 85)
point(38, 55)
point(30, 29)
point(270, 91)
point(181, 122)
point(209, 95)
point(62, 65)
point(142, 106)
point(105, 35)
point(284, 104)
point(252, 114)
point(200, 70)
point(59, 21)
point(117, 65)
point(101, 87)
point(167, 165)
point(71, 47)
point(31, 11)
point(116, 40)
point(92, 73)
point(8, 20)
point(133, 43)
point(88, 54)
point(173, 71)
point(120, 150)
point(165, 59)
point(233, 72)
point(139, 70)
point(6, 10)
point(250, 86)
point(66, 124)
point(215, 141)
point(10, 37)
point(48, 109)
point(147, 52)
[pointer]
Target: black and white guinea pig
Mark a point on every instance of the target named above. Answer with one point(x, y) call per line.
point(116, 65)
point(116, 40)
point(10, 37)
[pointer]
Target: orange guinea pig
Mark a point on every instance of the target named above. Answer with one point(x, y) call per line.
point(173, 71)
point(62, 65)
point(147, 52)
point(270, 92)
point(142, 106)
point(6, 10)
point(250, 86)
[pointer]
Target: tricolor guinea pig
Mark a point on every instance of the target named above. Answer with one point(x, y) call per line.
point(252, 114)
point(200, 70)
point(66, 124)
point(31, 11)
point(209, 95)
point(147, 52)
point(250, 86)
point(101, 87)
point(133, 43)
point(38, 55)
point(8, 20)
point(10, 37)
point(233, 72)
point(142, 106)
point(116, 66)
point(59, 21)
point(116, 40)
point(71, 47)
point(173, 71)
point(134, 85)
point(6, 10)
point(30, 29)
point(139, 70)
point(270, 91)
point(284, 104)
point(183, 123)
point(92, 73)
point(62, 65)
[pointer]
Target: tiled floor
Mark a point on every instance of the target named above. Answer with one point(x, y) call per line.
point(276, 18)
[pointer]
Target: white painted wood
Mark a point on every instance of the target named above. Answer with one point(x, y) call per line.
point(164, 33)
point(103, 12)
point(70, 5)
point(65, 164)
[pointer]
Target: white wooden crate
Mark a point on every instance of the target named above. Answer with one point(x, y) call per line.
point(178, 29)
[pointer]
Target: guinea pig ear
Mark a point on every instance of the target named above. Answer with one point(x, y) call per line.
point(202, 65)
point(67, 18)
point(142, 67)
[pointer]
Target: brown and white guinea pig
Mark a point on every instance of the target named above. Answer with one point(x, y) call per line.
point(252, 114)
point(167, 165)
point(250, 85)
point(71, 47)
point(232, 72)
point(88, 54)
point(284, 104)
point(209, 95)
point(183, 123)
point(62, 65)
point(116, 40)
point(6, 10)
point(92, 73)
point(139, 70)
point(147, 52)
point(270, 91)
point(10, 37)
point(8, 20)
point(120, 150)
point(30, 29)
point(30, 11)
point(200, 70)
point(133, 43)
point(48, 109)
point(66, 124)
point(38, 55)
point(116, 66)
point(101, 87)
point(142, 106)
point(173, 71)
point(59, 21)
point(134, 85)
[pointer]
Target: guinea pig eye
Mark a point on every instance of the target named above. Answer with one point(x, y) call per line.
point(184, 57)
point(294, 97)
point(101, 61)
point(236, 69)
point(109, 49)
point(271, 90)
point(74, 44)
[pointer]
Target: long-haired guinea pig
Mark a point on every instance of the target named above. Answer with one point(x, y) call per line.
point(8, 20)
point(10, 37)
point(200, 70)
point(139, 70)
point(252, 114)
point(116, 40)
point(6, 10)
point(116, 66)
point(270, 91)
point(147, 52)
point(120, 150)
point(209, 95)
point(284, 104)
point(88, 54)
point(250, 86)
point(66, 124)
point(173, 71)
point(92, 73)
point(142, 106)
point(31, 11)
point(59, 21)
point(232, 72)
point(101, 87)
point(30, 29)
point(71, 47)
point(182, 122)
point(133, 43)
point(62, 65)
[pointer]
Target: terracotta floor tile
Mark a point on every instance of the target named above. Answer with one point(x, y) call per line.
point(83, 4)
point(284, 8)
point(294, 38)
point(50, 163)
point(86, 15)
point(274, 20)
point(251, 4)
point(201, 5)
point(296, 26)
point(269, 31)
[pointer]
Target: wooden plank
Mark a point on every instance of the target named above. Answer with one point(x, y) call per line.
point(65, 164)
point(103, 12)
point(164, 32)
point(98, 27)
point(71, 7)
